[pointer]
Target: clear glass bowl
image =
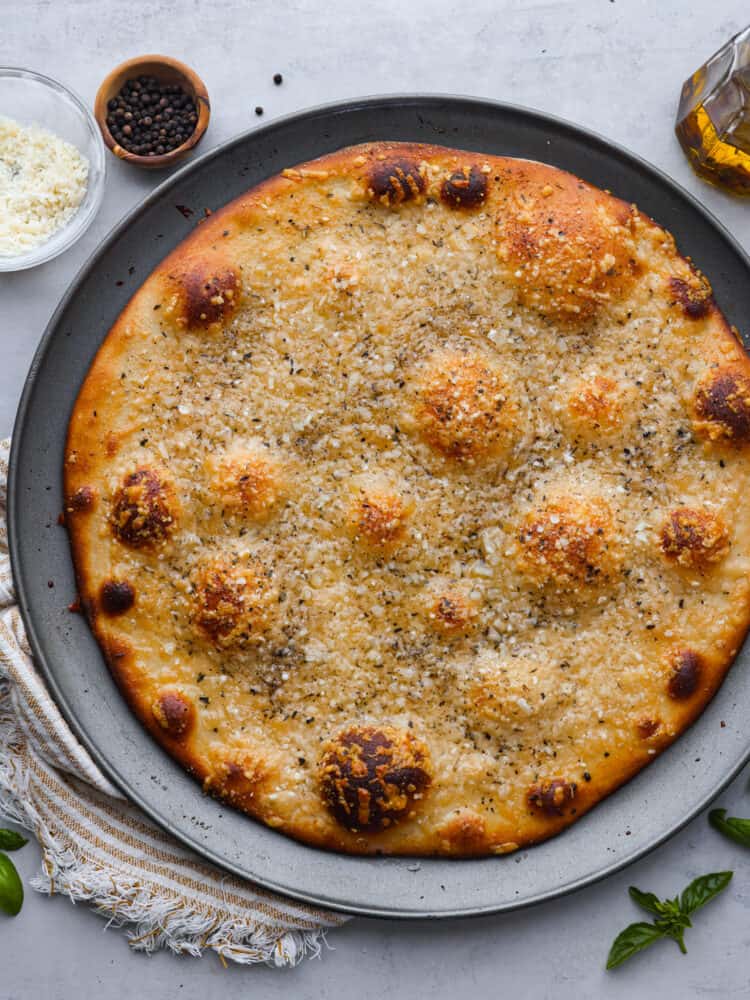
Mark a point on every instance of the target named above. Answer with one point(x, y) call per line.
point(33, 99)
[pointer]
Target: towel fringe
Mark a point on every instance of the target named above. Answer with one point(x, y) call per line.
point(160, 919)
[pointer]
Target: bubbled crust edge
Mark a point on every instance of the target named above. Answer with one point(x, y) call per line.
point(211, 242)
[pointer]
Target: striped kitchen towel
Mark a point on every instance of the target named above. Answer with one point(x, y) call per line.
point(98, 848)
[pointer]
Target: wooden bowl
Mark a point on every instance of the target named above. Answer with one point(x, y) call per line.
point(168, 71)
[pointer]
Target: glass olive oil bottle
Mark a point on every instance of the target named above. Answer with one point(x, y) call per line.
point(713, 118)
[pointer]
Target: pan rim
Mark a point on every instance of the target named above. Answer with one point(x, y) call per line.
point(14, 500)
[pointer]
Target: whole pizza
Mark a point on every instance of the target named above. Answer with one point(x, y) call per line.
point(408, 499)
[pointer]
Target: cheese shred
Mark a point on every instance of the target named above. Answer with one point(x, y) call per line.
point(43, 181)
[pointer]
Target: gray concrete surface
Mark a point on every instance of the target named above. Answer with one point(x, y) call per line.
point(615, 67)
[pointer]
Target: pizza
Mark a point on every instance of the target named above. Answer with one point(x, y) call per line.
point(407, 499)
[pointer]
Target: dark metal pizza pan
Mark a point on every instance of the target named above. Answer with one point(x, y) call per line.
point(631, 822)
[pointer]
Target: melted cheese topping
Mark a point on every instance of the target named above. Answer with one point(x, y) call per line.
point(408, 496)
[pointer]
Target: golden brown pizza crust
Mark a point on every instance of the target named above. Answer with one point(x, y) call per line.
point(407, 499)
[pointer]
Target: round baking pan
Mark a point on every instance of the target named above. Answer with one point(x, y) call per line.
point(625, 826)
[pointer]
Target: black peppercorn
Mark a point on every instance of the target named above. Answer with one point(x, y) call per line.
point(149, 118)
point(278, 79)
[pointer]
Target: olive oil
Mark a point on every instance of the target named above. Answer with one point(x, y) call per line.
point(713, 118)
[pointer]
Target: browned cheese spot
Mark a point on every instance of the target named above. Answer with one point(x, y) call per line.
point(552, 797)
point(722, 405)
point(116, 597)
point(142, 514)
point(648, 727)
point(465, 188)
point(80, 501)
point(234, 602)
point(694, 296)
point(566, 259)
point(378, 517)
point(462, 407)
point(342, 276)
point(686, 668)
point(112, 444)
point(237, 779)
point(204, 295)
point(464, 832)
point(371, 778)
point(395, 180)
point(174, 712)
point(594, 402)
point(452, 611)
point(248, 483)
point(568, 541)
point(694, 539)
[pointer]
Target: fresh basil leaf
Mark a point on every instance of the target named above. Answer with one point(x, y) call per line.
point(735, 828)
point(11, 841)
point(673, 922)
point(703, 889)
point(674, 926)
point(11, 887)
point(648, 900)
point(629, 942)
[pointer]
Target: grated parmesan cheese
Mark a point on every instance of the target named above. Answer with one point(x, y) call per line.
point(43, 181)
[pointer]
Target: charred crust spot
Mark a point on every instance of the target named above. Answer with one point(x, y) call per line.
point(119, 650)
point(141, 514)
point(81, 500)
point(394, 181)
point(462, 407)
point(234, 602)
point(371, 778)
point(694, 539)
point(552, 797)
point(647, 727)
point(567, 541)
point(465, 188)
point(686, 671)
point(174, 713)
point(116, 597)
point(209, 296)
point(694, 296)
point(723, 401)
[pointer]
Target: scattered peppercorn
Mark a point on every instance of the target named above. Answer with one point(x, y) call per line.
point(259, 111)
point(150, 118)
point(278, 79)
